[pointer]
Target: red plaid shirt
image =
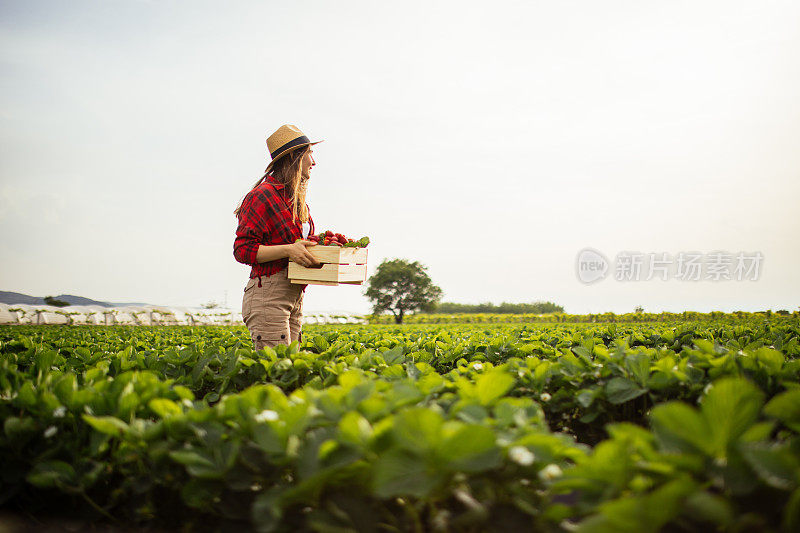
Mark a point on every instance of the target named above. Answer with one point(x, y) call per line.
point(266, 218)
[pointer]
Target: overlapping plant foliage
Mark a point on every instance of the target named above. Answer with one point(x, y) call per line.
point(637, 427)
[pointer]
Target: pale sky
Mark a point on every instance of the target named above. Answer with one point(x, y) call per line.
point(491, 141)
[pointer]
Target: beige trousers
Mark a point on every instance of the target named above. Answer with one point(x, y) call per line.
point(273, 312)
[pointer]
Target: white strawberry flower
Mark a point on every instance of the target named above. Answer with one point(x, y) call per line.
point(59, 412)
point(550, 472)
point(545, 397)
point(49, 432)
point(477, 366)
point(521, 455)
point(267, 415)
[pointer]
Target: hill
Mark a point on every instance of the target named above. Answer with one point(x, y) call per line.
point(18, 298)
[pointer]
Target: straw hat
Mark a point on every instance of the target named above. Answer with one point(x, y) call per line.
point(284, 140)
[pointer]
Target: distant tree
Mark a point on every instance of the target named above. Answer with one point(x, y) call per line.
point(536, 308)
point(401, 286)
point(210, 305)
point(638, 310)
point(52, 300)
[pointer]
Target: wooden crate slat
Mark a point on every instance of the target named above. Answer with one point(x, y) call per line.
point(328, 283)
point(328, 272)
point(339, 265)
point(338, 254)
point(314, 282)
point(352, 272)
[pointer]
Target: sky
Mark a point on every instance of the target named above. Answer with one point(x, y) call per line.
point(490, 141)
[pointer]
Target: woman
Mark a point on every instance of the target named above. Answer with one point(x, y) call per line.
point(272, 217)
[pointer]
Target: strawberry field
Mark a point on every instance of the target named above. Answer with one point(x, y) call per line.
point(662, 426)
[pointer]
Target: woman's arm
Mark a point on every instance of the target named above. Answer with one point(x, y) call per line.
point(257, 209)
point(297, 252)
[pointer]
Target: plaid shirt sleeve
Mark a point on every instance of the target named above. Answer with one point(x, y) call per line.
point(255, 219)
point(265, 219)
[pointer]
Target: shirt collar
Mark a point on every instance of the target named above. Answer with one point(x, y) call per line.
point(271, 179)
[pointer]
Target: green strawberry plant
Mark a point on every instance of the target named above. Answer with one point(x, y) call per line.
point(474, 427)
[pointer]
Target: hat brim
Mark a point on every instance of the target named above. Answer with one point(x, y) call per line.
point(287, 151)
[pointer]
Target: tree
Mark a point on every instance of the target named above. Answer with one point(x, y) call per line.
point(210, 305)
point(536, 308)
point(52, 300)
point(400, 286)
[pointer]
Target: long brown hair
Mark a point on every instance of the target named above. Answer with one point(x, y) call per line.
point(286, 171)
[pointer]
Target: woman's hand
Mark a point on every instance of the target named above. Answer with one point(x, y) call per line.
point(300, 255)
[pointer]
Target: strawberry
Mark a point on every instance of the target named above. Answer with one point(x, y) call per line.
point(313, 238)
point(340, 237)
point(329, 233)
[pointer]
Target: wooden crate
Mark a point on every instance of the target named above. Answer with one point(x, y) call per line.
point(339, 265)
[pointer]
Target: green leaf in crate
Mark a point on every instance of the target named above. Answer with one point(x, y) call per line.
point(470, 449)
point(621, 390)
point(493, 385)
point(108, 425)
